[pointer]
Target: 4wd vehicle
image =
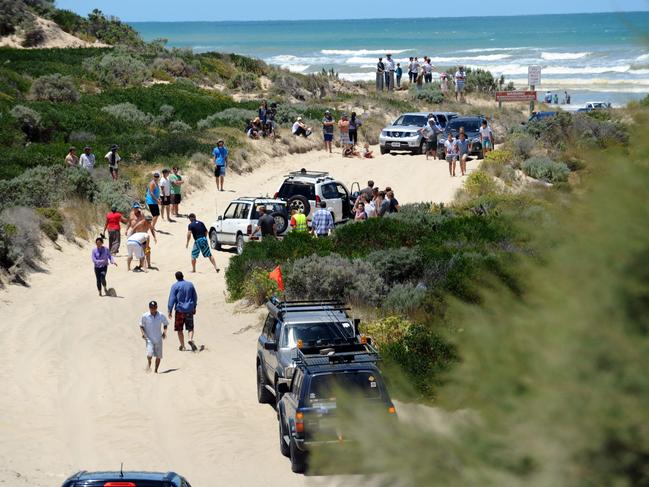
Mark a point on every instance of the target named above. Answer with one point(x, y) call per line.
point(590, 106)
point(126, 479)
point(291, 323)
point(324, 380)
point(304, 190)
point(471, 126)
point(236, 225)
point(403, 134)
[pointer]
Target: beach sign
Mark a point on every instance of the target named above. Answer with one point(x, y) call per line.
point(534, 75)
point(515, 96)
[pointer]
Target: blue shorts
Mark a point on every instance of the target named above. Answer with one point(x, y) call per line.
point(487, 144)
point(328, 137)
point(201, 246)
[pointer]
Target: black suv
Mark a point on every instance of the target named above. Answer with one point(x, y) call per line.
point(471, 126)
point(293, 323)
point(126, 479)
point(308, 409)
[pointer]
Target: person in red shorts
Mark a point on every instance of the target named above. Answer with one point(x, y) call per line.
point(184, 298)
point(114, 219)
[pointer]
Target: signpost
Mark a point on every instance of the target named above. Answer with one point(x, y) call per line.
point(533, 79)
point(515, 96)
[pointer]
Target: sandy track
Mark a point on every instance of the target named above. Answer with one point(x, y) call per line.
point(74, 392)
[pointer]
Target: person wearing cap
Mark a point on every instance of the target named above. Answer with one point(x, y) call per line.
point(87, 159)
point(72, 160)
point(430, 132)
point(198, 230)
point(220, 160)
point(113, 162)
point(153, 326)
point(300, 128)
point(328, 123)
point(322, 223)
point(184, 298)
point(114, 219)
point(165, 194)
point(460, 80)
point(136, 222)
point(176, 181)
point(101, 258)
point(153, 198)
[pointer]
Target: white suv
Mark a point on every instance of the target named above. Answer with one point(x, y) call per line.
point(237, 224)
point(305, 190)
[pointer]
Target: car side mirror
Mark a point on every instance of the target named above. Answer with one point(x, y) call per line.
point(220, 217)
point(272, 346)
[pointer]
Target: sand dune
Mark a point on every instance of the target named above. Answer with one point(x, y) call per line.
point(55, 37)
point(74, 391)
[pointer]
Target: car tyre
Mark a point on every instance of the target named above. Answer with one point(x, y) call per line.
point(419, 150)
point(240, 244)
point(299, 202)
point(385, 150)
point(214, 240)
point(264, 396)
point(283, 446)
point(298, 458)
point(281, 222)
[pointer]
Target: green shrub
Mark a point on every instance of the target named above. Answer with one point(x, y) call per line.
point(498, 164)
point(12, 14)
point(119, 193)
point(54, 88)
point(258, 287)
point(521, 145)
point(174, 66)
point(404, 299)
point(30, 122)
point(415, 349)
point(546, 169)
point(34, 35)
point(396, 265)
point(479, 183)
point(244, 81)
point(231, 117)
point(118, 69)
point(500, 156)
point(334, 277)
point(127, 112)
point(179, 126)
point(20, 246)
point(51, 222)
point(430, 93)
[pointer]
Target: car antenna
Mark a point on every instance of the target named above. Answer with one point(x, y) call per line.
point(121, 470)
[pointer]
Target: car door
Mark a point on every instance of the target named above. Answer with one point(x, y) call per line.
point(227, 235)
point(346, 204)
point(242, 219)
point(332, 198)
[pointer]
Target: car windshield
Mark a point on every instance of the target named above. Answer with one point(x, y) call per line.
point(270, 209)
point(290, 189)
point(316, 334)
point(469, 125)
point(415, 120)
point(325, 387)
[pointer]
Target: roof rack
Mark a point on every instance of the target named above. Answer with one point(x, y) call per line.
point(306, 306)
point(308, 174)
point(336, 354)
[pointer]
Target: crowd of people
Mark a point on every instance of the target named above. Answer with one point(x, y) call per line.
point(263, 125)
point(553, 98)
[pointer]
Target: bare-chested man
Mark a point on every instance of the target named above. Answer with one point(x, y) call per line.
point(136, 221)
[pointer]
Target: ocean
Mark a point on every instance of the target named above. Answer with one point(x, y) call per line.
point(592, 56)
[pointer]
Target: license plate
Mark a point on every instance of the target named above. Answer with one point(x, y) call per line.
point(396, 144)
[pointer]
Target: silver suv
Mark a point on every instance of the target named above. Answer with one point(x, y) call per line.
point(403, 134)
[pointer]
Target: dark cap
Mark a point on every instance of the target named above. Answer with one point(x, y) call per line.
point(153, 304)
point(114, 147)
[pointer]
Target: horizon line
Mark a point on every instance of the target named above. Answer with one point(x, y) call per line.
point(383, 18)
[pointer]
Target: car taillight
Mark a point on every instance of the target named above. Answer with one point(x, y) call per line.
point(392, 410)
point(276, 195)
point(299, 422)
point(119, 484)
point(249, 230)
point(317, 199)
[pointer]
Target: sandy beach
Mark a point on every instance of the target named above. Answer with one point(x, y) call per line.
point(74, 391)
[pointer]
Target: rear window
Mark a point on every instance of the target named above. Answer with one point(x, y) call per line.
point(313, 334)
point(469, 125)
point(290, 189)
point(416, 120)
point(326, 387)
point(137, 483)
point(270, 208)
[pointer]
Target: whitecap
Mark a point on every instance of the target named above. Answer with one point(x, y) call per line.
point(563, 56)
point(360, 52)
point(643, 57)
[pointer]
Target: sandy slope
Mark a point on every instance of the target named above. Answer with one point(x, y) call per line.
point(55, 37)
point(74, 392)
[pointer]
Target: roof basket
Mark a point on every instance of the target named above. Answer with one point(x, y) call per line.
point(334, 354)
point(306, 306)
point(308, 174)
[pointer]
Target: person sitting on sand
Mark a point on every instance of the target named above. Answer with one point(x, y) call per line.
point(300, 128)
point(367, 153)
point(251, 132)
point(349, 151)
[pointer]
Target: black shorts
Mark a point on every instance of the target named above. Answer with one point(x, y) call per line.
point(113, 170)
point(217, 171)
point(176, 199)
point(166, 200)
point(154, 209)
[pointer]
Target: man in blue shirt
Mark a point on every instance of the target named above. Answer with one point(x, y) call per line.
point(184, 298)
point(220, 162)
point(323, 222)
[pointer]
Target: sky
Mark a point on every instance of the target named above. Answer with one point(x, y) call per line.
point(210, 10)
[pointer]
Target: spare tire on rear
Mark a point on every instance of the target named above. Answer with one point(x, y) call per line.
point(299, 202)
point(281, 222)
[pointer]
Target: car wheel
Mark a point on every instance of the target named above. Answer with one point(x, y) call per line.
point(240, 244)
point(264, 396)
point(298, 458)
point(385, 150)
point(214, 240)
point(283, 446)
point(419, 150)
point(281, 222)
point(299, 202)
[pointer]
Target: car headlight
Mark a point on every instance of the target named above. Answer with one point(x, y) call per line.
point(384, 133)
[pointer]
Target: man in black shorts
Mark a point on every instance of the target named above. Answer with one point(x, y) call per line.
point(176, 188)
point(266, 223)
point(184, 298)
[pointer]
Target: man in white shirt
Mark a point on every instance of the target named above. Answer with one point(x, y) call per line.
point(153, 326)
point(113, 162)
point(451, 154)
point(136, 244)
point(389, 72)
point(460, 81)
point(165, 194)
point(87, 159)
point(428, 71)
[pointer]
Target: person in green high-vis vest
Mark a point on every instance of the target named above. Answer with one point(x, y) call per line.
point(298, 221)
